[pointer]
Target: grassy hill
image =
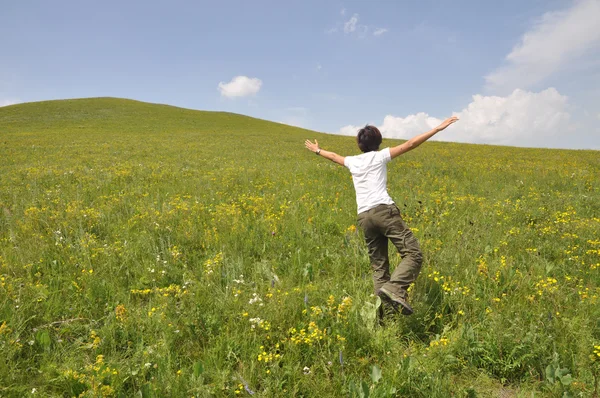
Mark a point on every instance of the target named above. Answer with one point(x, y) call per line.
point(159, 251)
point(114, 114)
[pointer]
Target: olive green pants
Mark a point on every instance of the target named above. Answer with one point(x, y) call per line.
point(380, 224)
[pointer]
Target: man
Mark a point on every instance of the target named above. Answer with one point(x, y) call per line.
point(379, 217)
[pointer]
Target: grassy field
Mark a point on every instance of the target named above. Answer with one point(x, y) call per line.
point(153, 251)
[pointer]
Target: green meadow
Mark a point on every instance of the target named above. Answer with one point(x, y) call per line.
point(153, 251)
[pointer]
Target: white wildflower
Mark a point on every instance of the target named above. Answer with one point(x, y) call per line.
point(255, 299)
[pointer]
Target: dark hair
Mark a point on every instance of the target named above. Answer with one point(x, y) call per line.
point(368, 138)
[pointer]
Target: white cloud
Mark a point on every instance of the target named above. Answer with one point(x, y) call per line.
point(350, 25)
point(406, 127)
point(558, 39)
point(7, 102)
point(522, 118)
point(566, 41)
point(240, 86)
point(379, 32)
point(349, 130)
point(319, 67)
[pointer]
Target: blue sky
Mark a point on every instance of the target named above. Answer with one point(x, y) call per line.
point(523, 73)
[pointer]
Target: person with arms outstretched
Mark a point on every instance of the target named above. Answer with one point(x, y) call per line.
point(379, 217)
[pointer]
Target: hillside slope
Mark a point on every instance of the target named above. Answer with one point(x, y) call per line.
point(122, 115)
point(148, 250)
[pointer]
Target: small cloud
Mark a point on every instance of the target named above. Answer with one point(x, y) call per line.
point(331, 30)
point(408, 126)
point(240, 86)
point(343, 12)
point(350, 25)
point(319, 67)
point(349, 130)
point(7, 102)
point(379, 31)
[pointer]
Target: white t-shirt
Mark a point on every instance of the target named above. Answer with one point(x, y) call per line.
point(369, 174)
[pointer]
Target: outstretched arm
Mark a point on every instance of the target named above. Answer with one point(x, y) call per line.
point(334, 157)
point(419, 139)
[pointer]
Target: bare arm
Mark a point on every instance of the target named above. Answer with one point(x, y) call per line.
point(334, 157)
point(419, 139)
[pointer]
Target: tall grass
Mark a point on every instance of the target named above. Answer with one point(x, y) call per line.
point(158, 251)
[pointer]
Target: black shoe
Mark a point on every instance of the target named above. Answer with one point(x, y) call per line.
point(387, 312)
point(396, 301)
